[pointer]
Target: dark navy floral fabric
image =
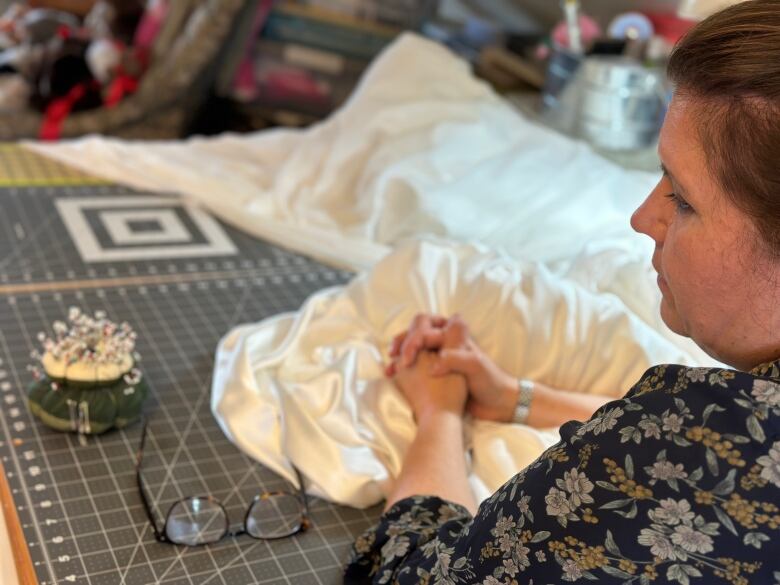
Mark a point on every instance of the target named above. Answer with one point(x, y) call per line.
point(678, 482)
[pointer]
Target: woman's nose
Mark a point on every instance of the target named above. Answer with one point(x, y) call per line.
point(650, 217)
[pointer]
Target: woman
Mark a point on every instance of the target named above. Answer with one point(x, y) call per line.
point(679, 481)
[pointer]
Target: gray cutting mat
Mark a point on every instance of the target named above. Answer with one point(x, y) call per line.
point(182, 280)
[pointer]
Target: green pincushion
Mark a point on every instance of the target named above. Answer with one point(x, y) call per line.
point(89, 383)
point(91, 411)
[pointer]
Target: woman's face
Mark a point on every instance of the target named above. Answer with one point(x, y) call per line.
point(718, 285)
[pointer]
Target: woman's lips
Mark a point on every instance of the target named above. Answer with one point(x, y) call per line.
point(660, 279)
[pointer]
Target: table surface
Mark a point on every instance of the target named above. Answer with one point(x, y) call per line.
point(181, 279)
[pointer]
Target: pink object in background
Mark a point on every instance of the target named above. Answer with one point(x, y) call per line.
point(287, 84)
point(150, 24)
point(244, 82)
point(589, 31)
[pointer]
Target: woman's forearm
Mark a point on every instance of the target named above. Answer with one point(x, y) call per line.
point(435, 463)
point(550, 408)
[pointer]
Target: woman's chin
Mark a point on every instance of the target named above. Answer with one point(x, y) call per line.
point(671, 318)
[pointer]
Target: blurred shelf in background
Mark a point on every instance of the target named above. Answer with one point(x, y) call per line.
point(293, 62)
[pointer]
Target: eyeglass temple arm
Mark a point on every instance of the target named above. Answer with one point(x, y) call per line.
point(139, 457)
point(302, 491)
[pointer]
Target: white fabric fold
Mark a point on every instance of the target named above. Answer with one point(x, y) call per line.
point(308, 387)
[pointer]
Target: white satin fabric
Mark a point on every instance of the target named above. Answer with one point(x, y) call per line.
point(308, 387)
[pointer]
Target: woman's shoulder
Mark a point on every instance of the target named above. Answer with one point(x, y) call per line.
point(674, 379)
point(681, 404)
point(720, 418)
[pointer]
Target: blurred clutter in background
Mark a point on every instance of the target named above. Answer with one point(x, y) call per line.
point(599, 65)
point(169, 68)
point(129, 68)
point(57, 63)
point(601, 79)
point(297, 60)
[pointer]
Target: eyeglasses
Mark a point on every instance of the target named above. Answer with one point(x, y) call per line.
point(198, 520)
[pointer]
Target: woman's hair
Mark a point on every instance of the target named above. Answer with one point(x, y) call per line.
point(731, 62)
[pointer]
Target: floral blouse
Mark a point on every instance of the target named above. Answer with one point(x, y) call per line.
point(679, 481)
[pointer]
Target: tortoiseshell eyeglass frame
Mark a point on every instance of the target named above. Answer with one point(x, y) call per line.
point(161, 535)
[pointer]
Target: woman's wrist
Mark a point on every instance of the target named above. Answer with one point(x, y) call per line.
point(436, 417)
point(435, 463)
point(508, 396)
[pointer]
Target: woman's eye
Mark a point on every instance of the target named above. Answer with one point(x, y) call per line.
point(680, 203)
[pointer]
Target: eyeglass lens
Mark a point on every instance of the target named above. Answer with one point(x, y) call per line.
point(196, 521)
point(274, 516)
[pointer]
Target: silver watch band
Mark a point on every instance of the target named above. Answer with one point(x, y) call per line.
point(526, 392)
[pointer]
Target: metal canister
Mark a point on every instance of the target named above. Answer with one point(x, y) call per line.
point(623, 103)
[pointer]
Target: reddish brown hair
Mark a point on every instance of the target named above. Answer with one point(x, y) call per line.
point(731, 61)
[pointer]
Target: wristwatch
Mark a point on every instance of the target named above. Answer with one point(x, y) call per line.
point(526, 392)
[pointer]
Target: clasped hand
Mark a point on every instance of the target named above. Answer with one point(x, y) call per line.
point(438, 367)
